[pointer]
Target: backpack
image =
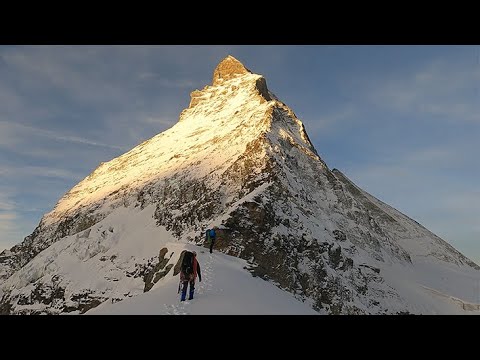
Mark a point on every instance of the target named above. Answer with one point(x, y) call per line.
point(212, 234)
point(187, 264)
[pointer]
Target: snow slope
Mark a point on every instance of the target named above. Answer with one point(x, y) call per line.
point(226, 289)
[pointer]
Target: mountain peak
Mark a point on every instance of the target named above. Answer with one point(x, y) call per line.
point(227, 69)
point(241, 160)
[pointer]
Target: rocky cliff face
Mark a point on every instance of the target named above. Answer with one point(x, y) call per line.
point(228, 69)
point(238, 158)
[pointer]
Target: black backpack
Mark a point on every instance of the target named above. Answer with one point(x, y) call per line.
point(187, 264)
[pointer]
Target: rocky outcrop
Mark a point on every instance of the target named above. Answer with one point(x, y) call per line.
point(158, 272)
point(261, 86)
point(227, 69)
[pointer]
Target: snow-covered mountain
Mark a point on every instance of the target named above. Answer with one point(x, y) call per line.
point(240, 159)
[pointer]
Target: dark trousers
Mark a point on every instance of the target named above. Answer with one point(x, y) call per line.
point(184, 290)
point(212, 240)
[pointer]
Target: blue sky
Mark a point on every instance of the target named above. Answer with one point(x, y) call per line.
point(403, 122)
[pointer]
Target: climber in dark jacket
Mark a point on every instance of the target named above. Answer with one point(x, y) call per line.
point(188, 273)
point(211, 235)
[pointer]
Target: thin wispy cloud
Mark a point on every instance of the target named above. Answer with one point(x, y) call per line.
point(38, 171)
point(433, 155)
point(466, 203)
point(169, 83)
point(10, 224)
point(7, 216)
point(441, 88)
point(8, 229)
point(29, 131)
point(63, 72)
point(333, 121)
point(184, 84)
point(407, 178)
point(414, 161)
point(159, 121)
point(79, 140)
point(6, 204)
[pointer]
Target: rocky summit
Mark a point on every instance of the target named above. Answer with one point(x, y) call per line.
point(240, 159)
point(227, 69)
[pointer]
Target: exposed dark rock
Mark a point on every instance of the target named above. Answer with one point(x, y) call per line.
point(339, 235)
point(151, 277)
point(86, 301)
point(261, 85)
point(5, 305)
